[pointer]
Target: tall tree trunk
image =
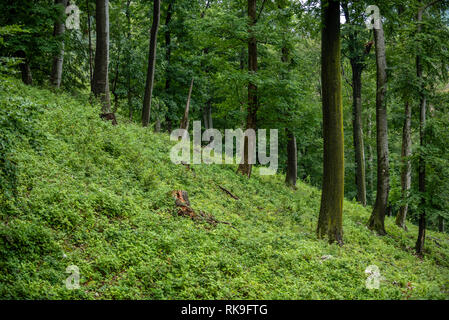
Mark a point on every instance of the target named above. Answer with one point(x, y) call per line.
point(100, 83)
point(59, 28)
point(330, 221)
point(128, 80)
point(167, 36)
point(422, 162)
point(292, 150)
point(406, 174)
point(185, 119)
point(245, 168)
point(146, 111)
point(357, 58)
point(370, 157)
point(89, 31)
point(292, 160)
point(377, 219)
point(357, 126)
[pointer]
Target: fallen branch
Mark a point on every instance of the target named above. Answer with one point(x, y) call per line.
point(228, 192)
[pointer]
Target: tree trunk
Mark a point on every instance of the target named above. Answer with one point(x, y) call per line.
point(25, 69)
point(406, 177)
point(370, 157)
point(377, 219)
point(245, 168)
point(100, 83)
point(359, 148)
point(292, 160)
point(59, 28)
point(422, 163)
point(330, 221)
point(167, 36)
point(128, 80)
point(89, 30)
point(146, 111)
point(441, 224)
point(185, 120)
point(357, 59)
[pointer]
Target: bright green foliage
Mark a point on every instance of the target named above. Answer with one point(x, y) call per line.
point(99, 197)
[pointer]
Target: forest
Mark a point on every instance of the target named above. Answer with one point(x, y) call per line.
point(354, 95)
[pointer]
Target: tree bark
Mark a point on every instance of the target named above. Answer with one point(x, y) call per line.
point(167, 36)
point(100, 83)
point(146, 111)
point(59, 28)
point(128, 80)
point(357, 126)
point(185, 119)
point(330, 221)
point(89, 30)
point(377, 219)
point(441, 224)
point(357, 58)
point(406, 176)
point(245, 168)
point(292, 160)
point(25, 69)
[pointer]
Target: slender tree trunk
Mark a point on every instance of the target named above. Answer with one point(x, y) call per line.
point(100, 83)
point(422, 163)
point(185, 120)
point(292, 160)
point(245, 168)
point(357, 59)
point(357, 126)
point(441, 224)
point(59, 28)
point(406, 176)
point(146, 111)
point(89, 30)
point(128, 80)
point(25, 69)
point(167, 36)
point(377, 219)
point(370, 157)
point(330, 221)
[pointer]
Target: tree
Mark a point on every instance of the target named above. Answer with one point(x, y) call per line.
point(58, 59)
point(422, 137)
point(377, 219)
point(357, 55)
point(100, 85)
point(245, 167)
point(330, 221)
point(146, 111)
point(406, 178)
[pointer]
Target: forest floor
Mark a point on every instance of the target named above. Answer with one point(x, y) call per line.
point(79, 191)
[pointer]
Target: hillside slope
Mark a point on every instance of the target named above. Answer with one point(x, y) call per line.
point(78, 191)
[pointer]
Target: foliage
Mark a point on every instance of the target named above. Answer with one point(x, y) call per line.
point(99, 197)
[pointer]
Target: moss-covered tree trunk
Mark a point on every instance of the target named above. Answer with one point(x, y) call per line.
point(406, 177)
point(146, 110)
point(377, 219)
point(330, 222)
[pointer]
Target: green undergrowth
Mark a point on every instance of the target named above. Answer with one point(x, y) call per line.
point(76, 190)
